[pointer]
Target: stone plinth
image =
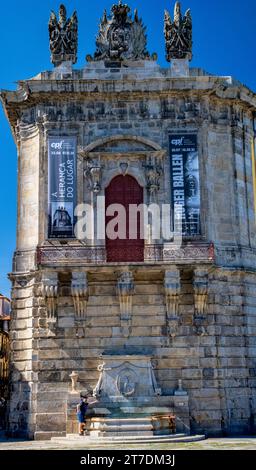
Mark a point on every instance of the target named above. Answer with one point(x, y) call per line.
point(127, 69)
point(180, 68)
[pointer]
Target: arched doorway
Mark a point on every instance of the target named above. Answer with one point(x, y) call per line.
point(124, 190)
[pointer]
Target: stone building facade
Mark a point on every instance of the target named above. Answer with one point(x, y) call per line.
point(187, 314)
point(4, 358)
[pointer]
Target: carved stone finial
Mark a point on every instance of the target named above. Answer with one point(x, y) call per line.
point(180, 391)
point(63, 35)
point(74, 379)
point(178, 34)
point(62, 15)
point(120, 37)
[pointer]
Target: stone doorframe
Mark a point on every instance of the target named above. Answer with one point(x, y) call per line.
point(111, 156)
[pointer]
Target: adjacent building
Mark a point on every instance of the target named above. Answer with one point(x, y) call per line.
point(4, 357)
point(5, 309)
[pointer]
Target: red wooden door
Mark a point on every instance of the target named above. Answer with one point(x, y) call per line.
point(124, 190)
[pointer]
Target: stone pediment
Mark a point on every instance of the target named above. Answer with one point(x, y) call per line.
point(124, 145)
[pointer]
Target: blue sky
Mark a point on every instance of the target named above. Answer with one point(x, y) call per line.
point(224, 44)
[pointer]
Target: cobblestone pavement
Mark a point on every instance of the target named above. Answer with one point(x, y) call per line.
point(245, 443)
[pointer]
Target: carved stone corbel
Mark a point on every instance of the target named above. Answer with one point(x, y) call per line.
point(200, 298)
point(172, 287)
point(80, 294)
point(125, 291)
point(93, 173)
point(49, 292)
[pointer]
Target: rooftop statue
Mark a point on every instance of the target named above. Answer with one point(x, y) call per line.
point(178, 34)
point(120, 37)
point(63, 35)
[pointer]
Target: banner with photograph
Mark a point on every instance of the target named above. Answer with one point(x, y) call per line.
point(61, 186)
point(185, 182)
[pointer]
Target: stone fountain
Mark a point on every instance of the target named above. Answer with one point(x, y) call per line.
point(130, 402)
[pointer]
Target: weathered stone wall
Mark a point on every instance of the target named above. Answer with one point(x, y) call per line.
point(23, 345)
point(218, 369)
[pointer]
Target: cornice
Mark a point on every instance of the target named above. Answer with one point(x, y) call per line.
point(48, 92)
point(34, 90)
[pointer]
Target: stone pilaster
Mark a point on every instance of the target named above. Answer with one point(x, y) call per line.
point(172, 288)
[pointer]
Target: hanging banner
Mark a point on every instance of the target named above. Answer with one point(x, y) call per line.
point(185, 182)
point(61, 186)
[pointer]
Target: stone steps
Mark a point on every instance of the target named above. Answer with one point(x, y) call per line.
point(121, 422)
point(87, 440)
point(121, 426)
point(120, 433)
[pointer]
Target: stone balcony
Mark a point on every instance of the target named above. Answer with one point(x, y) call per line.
point(195, 253)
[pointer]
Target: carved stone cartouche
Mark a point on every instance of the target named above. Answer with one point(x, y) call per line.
point(121, 37)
